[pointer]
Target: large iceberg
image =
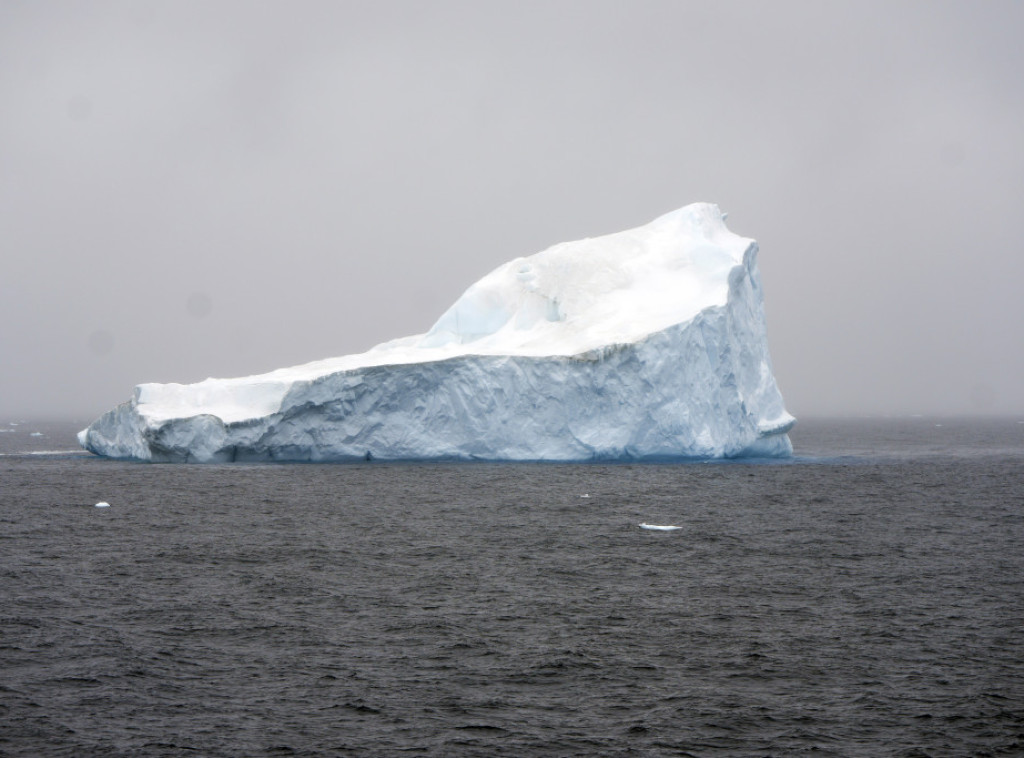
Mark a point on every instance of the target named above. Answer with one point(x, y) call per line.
point(648, 344)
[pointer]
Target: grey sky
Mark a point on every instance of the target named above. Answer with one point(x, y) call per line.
point(193, 189)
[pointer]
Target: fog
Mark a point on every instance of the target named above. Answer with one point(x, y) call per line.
point(193, 189)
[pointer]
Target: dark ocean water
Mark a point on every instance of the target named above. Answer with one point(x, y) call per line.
point(864, 599)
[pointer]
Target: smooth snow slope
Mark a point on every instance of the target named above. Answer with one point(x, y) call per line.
point(645, 344)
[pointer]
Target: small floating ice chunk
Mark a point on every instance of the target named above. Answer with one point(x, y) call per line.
point(102, 504)
point(36, 434)
point(585, 494)
point(659, 527)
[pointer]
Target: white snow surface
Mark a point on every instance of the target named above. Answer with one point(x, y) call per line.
point(645, 344)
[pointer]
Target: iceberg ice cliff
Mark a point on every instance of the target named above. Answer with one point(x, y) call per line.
point(648, 344)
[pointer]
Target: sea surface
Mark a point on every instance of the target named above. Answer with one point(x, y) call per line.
point(865, 598)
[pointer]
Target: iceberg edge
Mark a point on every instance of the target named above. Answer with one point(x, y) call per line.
point(699, 388)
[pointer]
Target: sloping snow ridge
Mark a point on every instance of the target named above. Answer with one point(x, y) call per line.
point(648, 344)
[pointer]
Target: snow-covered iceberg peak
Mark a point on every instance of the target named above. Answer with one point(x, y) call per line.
point(580, 295)
point(645, 344)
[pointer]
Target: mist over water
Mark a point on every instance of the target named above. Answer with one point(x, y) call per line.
point(861, 600)
point(192, 189)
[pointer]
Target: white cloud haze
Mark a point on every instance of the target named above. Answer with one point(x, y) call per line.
point(193, 189)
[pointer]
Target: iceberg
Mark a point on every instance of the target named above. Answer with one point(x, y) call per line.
point(643, 345)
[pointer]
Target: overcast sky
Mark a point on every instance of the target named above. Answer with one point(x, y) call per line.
point(193, 189)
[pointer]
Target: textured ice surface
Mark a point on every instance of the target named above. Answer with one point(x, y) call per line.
point(648, 344)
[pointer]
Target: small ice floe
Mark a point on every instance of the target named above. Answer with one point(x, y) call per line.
point(659, 527)
point(36, 434)
point(585, 494)
point(102, 504)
